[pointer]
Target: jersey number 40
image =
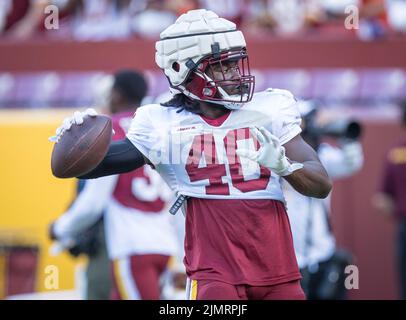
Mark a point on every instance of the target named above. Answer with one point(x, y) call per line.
point(204, 148)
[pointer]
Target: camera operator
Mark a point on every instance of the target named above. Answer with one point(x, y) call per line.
point(322, 264)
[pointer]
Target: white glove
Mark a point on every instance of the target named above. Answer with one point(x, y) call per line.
point(67, 123)
point(353, 155)
point(271, 154)
point(61, 245)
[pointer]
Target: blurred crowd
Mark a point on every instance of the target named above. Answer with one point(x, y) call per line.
point(99, 20)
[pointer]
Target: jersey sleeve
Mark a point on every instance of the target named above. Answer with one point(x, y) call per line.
point(287, 120)
point(87, 208)
point(144, 135)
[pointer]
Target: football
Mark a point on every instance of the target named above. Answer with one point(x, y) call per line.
point(82, 148)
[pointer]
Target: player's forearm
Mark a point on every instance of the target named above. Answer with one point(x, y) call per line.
point(121, 157)
point(312, 180)
point(75, 222)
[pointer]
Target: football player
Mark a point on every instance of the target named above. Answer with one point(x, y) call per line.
point(223, 149)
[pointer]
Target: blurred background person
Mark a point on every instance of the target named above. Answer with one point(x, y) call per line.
point(233, 10)
point(396, 13)
point(90, 242)
point(391, 199)
point(96, 20)
point(280, 17)
point(21, 18)
point(139, 235)
point(99, 20)
point(321, 263)
point(153, 16)
point(373, 20)
point(5, 7)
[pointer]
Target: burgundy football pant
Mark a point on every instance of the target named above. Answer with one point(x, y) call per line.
point(137, 277)
point(216, 290)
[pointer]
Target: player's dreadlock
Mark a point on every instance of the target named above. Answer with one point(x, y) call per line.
point(183, 103)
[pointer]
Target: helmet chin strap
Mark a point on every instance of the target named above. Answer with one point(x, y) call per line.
point(182, 89)
point(228, 104)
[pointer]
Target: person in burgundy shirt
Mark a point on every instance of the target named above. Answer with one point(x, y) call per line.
point(391, 198)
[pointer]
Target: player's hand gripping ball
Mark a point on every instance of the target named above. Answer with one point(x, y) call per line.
point(81, 143)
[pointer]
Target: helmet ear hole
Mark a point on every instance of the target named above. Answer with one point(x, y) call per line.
point(176, 66)
point(209, 91)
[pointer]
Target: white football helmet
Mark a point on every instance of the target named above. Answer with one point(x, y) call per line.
point(198, 43)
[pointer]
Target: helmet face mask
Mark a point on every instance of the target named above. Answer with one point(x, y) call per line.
point(226, 78)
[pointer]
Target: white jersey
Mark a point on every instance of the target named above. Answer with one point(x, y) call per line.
point(132, 229)
point(197, 156)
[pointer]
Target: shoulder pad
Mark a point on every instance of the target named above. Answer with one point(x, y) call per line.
point(283, 92)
